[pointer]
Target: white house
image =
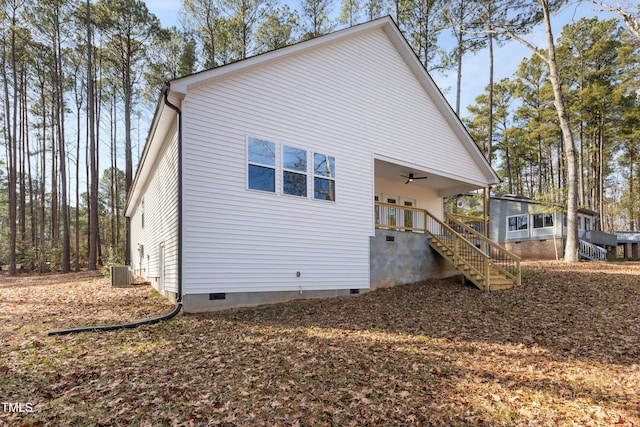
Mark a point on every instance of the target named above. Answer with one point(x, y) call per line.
point(259, 179)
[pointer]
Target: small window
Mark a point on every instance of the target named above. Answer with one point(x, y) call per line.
point(142, 212)
point(324, 171)
point(542, 220)
point(518, 222)
point(294, 171)
point(262, 165)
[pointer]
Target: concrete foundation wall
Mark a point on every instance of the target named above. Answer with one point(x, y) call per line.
point(200, 303)
point(399, 258)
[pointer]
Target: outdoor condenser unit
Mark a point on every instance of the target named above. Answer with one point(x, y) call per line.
point(120, 275)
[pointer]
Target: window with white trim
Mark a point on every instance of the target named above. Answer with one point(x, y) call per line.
point(518, 222)
point(542, 220)
point(294, 171)
point(261, 156)
point(324, 177)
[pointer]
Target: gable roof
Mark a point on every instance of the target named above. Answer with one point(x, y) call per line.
point(182, 85)
point(164, 116)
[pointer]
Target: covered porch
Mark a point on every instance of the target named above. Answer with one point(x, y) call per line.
point(415, 240)
point(411, 185)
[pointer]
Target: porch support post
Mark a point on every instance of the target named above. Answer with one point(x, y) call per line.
point(487, 195)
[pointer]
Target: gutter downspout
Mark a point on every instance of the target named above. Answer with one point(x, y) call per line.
point(178, 306)
point(179, 113)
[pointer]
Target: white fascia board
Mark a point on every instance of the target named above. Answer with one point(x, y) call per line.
point(163, 119)
point(441, 102)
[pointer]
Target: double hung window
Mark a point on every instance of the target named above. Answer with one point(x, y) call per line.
point(324, 177)
point(262, 165)
point(294, 171)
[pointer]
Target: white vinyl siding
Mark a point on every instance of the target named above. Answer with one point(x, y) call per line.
point(347, 100)
point(159, 202)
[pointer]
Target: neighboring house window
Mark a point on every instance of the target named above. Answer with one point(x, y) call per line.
point(261, 165)
point(294, 171)
point(542, 220)
point(324, 177)
point(518, 222)
point(142, 212)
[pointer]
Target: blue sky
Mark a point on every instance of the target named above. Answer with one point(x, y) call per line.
point(475, 69)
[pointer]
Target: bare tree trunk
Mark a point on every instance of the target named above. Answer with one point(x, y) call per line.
point(60, 106)
point(93, 196)
point(601, 175)
point(571, 247)
point(53, 227)
point(632, 222)
point(112, 174)
point(43, 165)
point(10, 128)
point(491, 88)
point(128, 154)
point(22, 162)
point(76, 261)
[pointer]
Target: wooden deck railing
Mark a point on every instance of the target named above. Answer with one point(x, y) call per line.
point(503, 260)
point(467, 258)
point(402, 218)
point(474, 222)
point(477, 257)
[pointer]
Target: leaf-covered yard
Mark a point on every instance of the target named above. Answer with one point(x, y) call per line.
point(563, 349)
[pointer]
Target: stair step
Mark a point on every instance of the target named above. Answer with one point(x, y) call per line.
point(466, 259)
point(500, 282)
point(501, 287)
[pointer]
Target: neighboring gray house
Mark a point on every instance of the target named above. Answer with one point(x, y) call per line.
point(537, 230)
point(288, 174)
point(628, 244)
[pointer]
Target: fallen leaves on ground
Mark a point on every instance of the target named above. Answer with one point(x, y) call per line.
point(563, 349)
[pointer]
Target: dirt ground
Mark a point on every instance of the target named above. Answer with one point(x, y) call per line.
point(561, 350)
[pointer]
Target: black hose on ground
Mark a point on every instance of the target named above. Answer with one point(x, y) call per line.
point(171, 315)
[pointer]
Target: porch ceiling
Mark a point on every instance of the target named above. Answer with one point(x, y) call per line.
point(445, 186)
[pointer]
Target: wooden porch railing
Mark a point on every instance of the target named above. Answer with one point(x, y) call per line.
point(474, 264)
point(502, 259)
point(402, 218)
point(476, 257)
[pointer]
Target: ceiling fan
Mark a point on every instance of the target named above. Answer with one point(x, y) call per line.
point(411, 178)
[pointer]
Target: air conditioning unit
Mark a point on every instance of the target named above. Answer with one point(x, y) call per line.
point(120, 275)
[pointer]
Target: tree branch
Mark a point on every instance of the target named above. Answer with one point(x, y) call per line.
point(513, 36)
point(631, 21)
